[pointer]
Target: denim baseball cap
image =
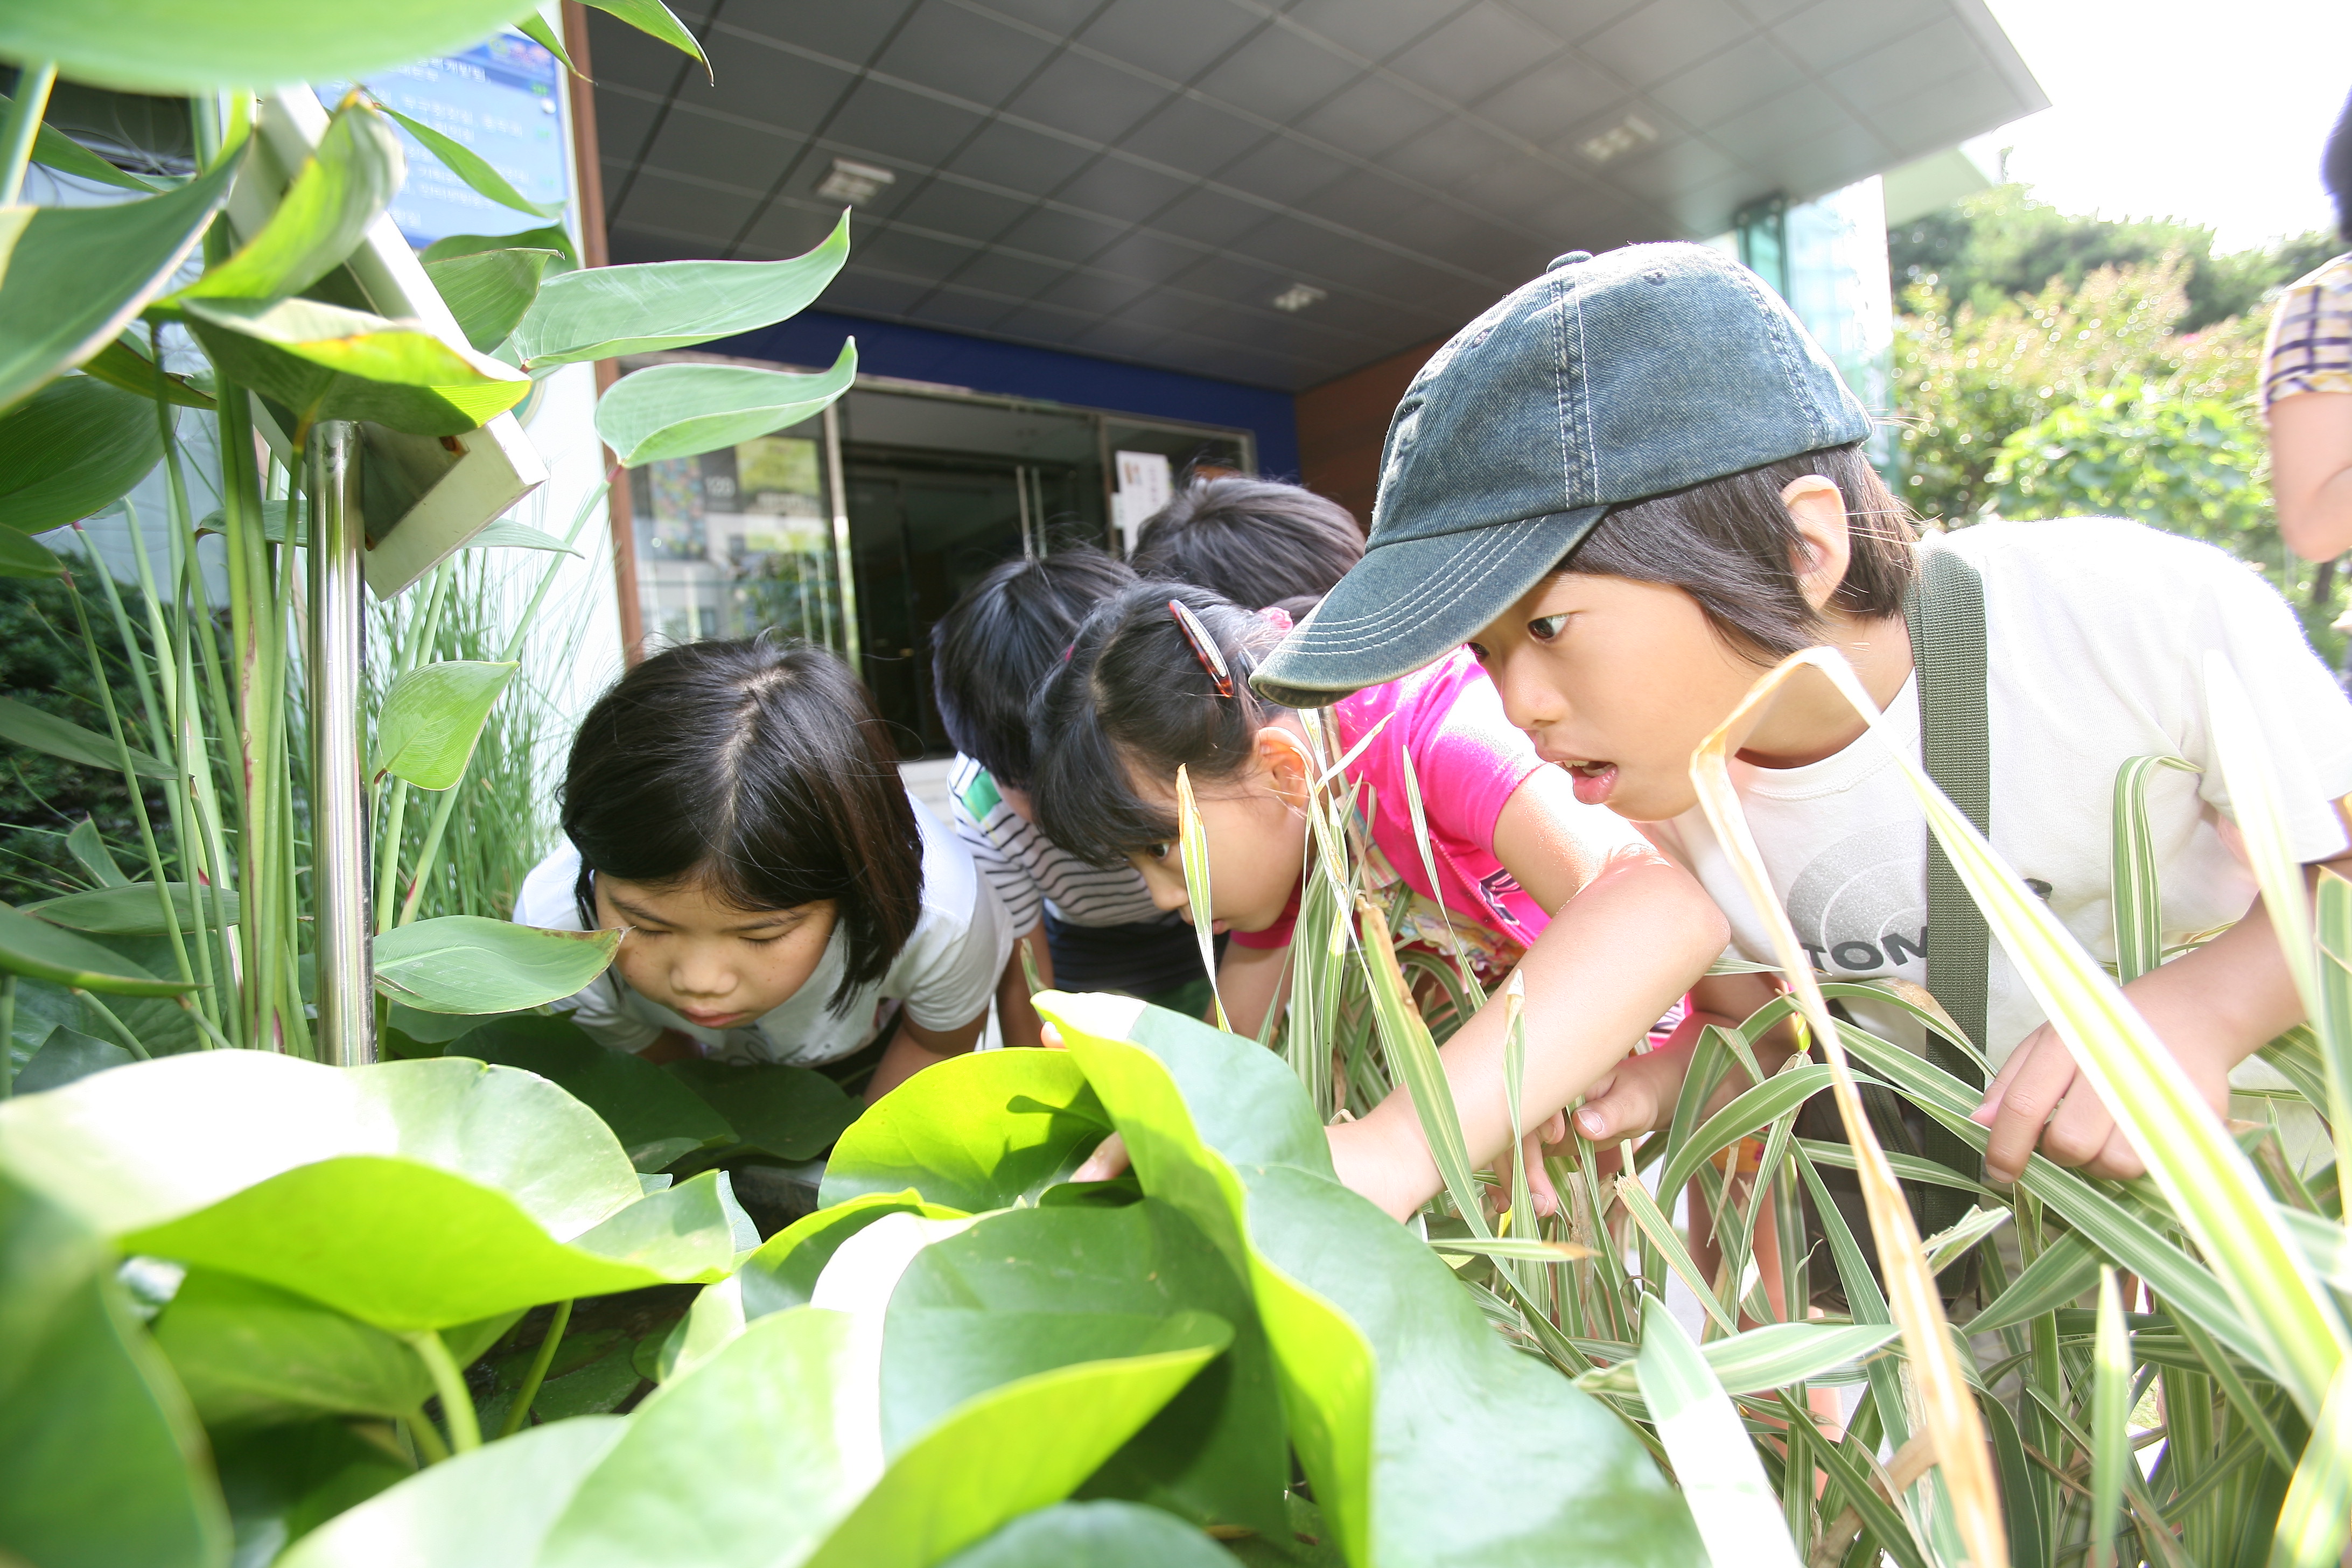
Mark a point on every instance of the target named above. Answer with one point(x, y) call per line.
point(1610, 379)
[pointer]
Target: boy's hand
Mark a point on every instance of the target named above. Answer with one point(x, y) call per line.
point(2040, 1098)
point(1636, 1097)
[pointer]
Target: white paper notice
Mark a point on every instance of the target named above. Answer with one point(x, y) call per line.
point(1145, 486)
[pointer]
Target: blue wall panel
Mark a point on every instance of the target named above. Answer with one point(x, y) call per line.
point(1011, 369)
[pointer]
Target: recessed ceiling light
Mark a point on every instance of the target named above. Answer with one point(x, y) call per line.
point(853, 182)
point(1298, 297)
point(1622, 137)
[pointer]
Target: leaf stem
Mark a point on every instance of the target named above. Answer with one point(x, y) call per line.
point(449, 1383)
point(130, 1040)
point(7, 1034)
point(426, 1436)
point(528, 1394)
point(23, 123)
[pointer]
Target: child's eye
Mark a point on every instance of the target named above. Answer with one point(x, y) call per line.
point(1478, 651)
point(1546, 629)
point(1157, 851)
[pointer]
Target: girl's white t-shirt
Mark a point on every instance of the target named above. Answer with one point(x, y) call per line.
point(944, 977)
point(2096, 632)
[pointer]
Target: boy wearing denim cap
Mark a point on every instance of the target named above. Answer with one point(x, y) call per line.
point(1635, 484)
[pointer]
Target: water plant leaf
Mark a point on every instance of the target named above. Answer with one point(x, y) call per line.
point(88, 848)
point(324, 362)
point(1771, 1356)
point(645, 1106)
point(120, 364)
point(600, 312)
point(1738, 1517)
point(132, 909)
point(534, 26)
point(554, 237)
point(337, 193)
point(684, 410)
point(488, 1509)
point(45, 952)
point(157, 46)
point(464, 964)
point(73, 448)
point(470, 166)
point(1103, 1535)
point(276, 518)
point(784, 1112)
point(53, 148)
point(432, 717)
point(68, 1056)
point(2110, 1417)
point(975, 1132)
point(488, 290)
point(508, 534)
point(655, 20)
point(783, 1272)
point(29, 727)
point(284, 1481)
point(23, 557)
point(249, 1352)
point(77, 276)
point(1392, 1382)
point(2317, 1516)
point(104, 1459)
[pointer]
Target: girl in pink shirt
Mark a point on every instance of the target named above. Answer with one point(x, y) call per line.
point(1612, 934)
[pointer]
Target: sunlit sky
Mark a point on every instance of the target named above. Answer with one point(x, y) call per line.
point(2209, 111)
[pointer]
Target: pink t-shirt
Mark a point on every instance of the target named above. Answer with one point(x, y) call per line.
point(1468, 760)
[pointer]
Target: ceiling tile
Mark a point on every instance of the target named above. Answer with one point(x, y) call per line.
point(1705, 210)
point(789, 227)
point(1211, 217)
point(912, 255)
point(1445, 153)
point(1572, 21)
point(632, 245)
point(1279, 76)
point(954, 208)
point(1664, 36)
point(1369, 117)
point(1657, 174)
point(1064, 16)
point(1890, 74)
point(1039, 323)
point(1226, 362)
point(1832, 32)
point(1366, 200)
point(1130, 340)
point(1233, 277)
point(1283, 171)
point(626, 57)
point(1167, 312)
point(1139, 253)
point(622, 122)
point(1510, 185)
point(858, 288)
point(1845, 155)
point(952, 50)
point(1304, 249)
point(713, 149)
point(1174, 41)
point(679, 208)
point(1015, 277)
point(970, 311)
point(1942, 113)
point(1373, 29)
point(844, 32)
point(895, 125)
point(1753, 135)
point(1475, 52)
point(1019, 158)
point(1085, 98)
point(1723, 84)
point(1060, 236)
point(1093, 292)
point(1196, 137)
point(1118, 189)
point(771, 88)
point(1545, 103)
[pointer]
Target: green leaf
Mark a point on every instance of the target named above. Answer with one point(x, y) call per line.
point(73, 448)
point(77, 276)
point(282, 1482)
point(644, 1106)
point(249, 1352)
point(2317, 1514)
point(784, 1112)
point(603, 312)
point(324, 361)
point(33, 948)
point(464, 964)
point(554, 237)
point(132, 909)
point(1765, 1103)
point(534, 26)
point(1095, 1535)
point(655, 20)
point(340, 191)
point(1738, 1517)
point(1766, 1358)
point(53, 148)
point(88, 848)
point(471, 166)
point(39, 732)
point(488, 1509)
point(23, 557)
point(120, 364)
point(1021, 1292)
point(508, 534)
point(160, 46)
point(432, 717)
point(104, 1459)
point(783, 1272)
point(975, 1132)
point(2110, 1367)
point(690, 1230)
point(488, 290)
point(682, 410)
point(68, 1056)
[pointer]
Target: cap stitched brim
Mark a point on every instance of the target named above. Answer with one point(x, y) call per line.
point(1412, 602)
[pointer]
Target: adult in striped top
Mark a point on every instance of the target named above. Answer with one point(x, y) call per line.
point(2307, 384)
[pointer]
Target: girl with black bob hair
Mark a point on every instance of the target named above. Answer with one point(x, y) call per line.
point(735, 810)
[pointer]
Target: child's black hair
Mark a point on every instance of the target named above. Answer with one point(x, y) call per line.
point(989, 653)
point(760, 768)
point(1257, 543)
point(1730, 544)
point(1134, 692)
point(2336, 171)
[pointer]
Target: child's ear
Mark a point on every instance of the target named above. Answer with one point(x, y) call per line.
point(1824, 550)
point(1288, 767)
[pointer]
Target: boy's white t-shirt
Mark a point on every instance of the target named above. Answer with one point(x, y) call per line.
point(2095, 633)
point(944, 977)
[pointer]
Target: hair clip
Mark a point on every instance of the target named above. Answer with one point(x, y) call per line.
point(1277, 617)
point(1204, 648)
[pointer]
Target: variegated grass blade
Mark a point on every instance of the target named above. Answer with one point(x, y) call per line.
point(2110, 1412)
point(1736, 1508)
point(1414, 1058)
point(1192, 844)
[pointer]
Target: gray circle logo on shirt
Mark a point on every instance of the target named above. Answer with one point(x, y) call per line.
point(1860, 907)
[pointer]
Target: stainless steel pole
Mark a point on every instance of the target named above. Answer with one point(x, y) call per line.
point(339, 824)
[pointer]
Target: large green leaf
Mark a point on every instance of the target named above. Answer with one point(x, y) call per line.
point(119, 364)
point(249, 1352)
point(1772, 1356)
point(552, 238)
point(975, 1132)
point(78, 275)
point(464, 964)
point(68, 1056)
point(1395, 1388)
point(488, 290)
point(324, 361)
point(73, 448)
point(432, 717)
point(784, 1112)
point(1019, 1293)
point(161, 45)
point(1095, 1535)
point(783, 1272)
point(655, 20)
point(31, 727)
point(603, 312)
point(44, 952)
point(488, 1509)
point(282, 1482)
point(25, 558)
point(1733, 1504)
point(684, 410)
point(646, 1109)
point(52, 148)
point(338, 192)
point(133, 910)
point(471, 167)
point(104, 1459)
